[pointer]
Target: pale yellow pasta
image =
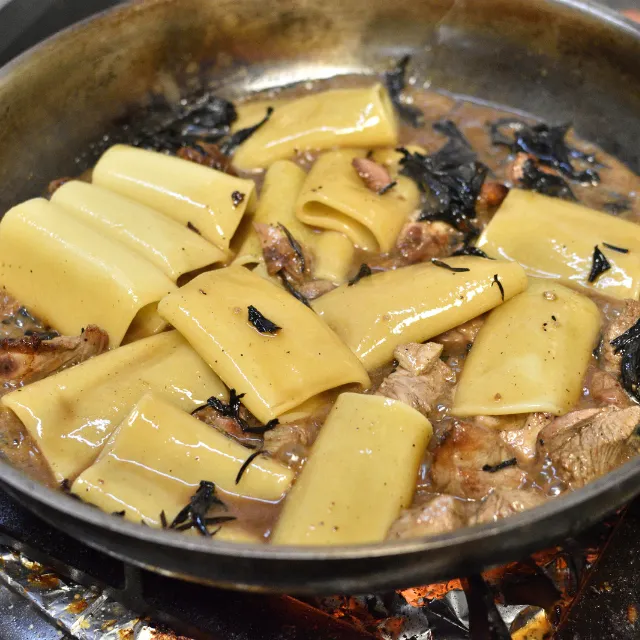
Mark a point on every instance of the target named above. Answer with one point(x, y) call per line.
point(71, 414)
point(250, 113)
point(275, 372)
point(415, 303)
point(146, 323)
point(69, 275)
point(333, 253)
point(360, 473)
point(553, 238)
point(335, 197)
point(531, 354)
point(337, 118)
point(155, 460)
point(168, 245)
point(187, 192)
point(282, 184)
point(390, 158)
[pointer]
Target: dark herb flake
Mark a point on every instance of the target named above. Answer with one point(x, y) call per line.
point(599, 265)
point(199, 504)
point(212, 521)
point(363, 272)
point(469, 250)
point(261, 430)
point(193, 228)
point(629, 345)
point(163, 519)
point(292, 290)
point(614, 248)
point(387, 187)
point(246, 463)
point(262, 324)
point(230, 145)
point(295, 245)
point(394, 81)
point(65, 485)
point(548, 184)
point(444, 265)
point(236, 198)
point(492, 468)
point(496, 280)
point(119, 514)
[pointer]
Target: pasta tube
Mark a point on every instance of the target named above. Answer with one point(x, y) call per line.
point(415, 303)
point(334, 254)
point(207, 200)
point(71, 414)
point(76, 276)
point(553, 238)
point(275, 370)
point(169, 246)
point(361, 472)
point(335, 197)
point(337, 118)
point(155, 460)
point(531, 354)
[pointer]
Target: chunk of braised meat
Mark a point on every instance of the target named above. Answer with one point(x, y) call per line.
point(229, 425)
point(628, 316)
point(30, 358)
point(316, 288)
point(281, 254)
point(418, 358)
point(421, 392)
point(605, 389)
point(374, 175)
point(15, 319)
point(437, 514)
point(522, 441)
point(209, 155)
point(502, 503)
point(420, 241)
point(584, 445)
point(459, 463)
point(459, 340)
point(492, 194)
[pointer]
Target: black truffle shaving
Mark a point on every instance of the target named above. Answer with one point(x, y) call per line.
point(246, 463)
point(230, 145)
point(614, 248)
point(295, 245)
point(548, 184)
point(452, 177)
point(212, 521)
point(387, 187)
point(444, 265)
point(394, 80)
point(292, 290)
point(196, 511)
point(492, 468)
point(363, 272)
point(262, 324)
point(469, 250)
point(629, 345)
point(544, 142)
point(599, 265)
point(496, 280)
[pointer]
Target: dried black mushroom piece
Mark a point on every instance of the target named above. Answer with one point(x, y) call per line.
point(234, 141)
point(295, 245)
point(492, 468)
point(292, 290)
point(599, 265)
point(546, 143)
point(470, 250)
point(629, 345)
point(195, 513)
point(261, 323)
point(246, 463)
point(444, 265)
point(451, 177)
point(548, 184)
point(394, 80)
point(363, 272)
point(613, 247)
point(496, 280)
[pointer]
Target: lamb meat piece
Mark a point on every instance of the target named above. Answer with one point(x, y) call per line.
point(209, 155)
point(315, 288)
point(492, 194)
point(229, 425)
point(460, 339)
point(420, 392)
point(289, 442)
point(418, 358)
point(16, 319)
point(439, 514)
point(374, 175)
point(605, 390)
point(503, 503)
point(522, 441)
point(627, 317)
point(30, 358)
point(584, 445)
point(459, 462)
point(281, 254)
point(420, 241)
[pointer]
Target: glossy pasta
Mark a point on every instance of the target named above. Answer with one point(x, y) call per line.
point(77, 276)
point(531, 354)
point(71, 414)
point(335, 197)
point(337, 118)
point(168, 245)
point(333, 253)
point(360, 474)
point(210, 201)
point(155, 460)
point(415, 303)
point(275, 372)
point(553, 238)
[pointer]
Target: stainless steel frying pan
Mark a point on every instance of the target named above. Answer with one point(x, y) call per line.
point(562, 60)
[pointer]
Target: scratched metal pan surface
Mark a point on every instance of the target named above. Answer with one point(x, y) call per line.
point(562, 60)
